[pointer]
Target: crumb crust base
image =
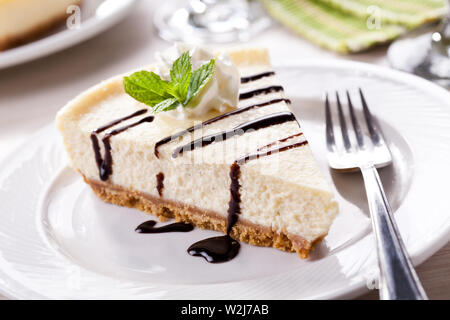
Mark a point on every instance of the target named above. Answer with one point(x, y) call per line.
point(166, 209)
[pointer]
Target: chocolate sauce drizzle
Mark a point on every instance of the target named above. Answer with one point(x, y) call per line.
point(160, 183)
point(256, 92)
point(105, 164)
point(234, 206)
point(257, 76)
point(279, 141)
point(113, 123)
point(212, 120)
point(260, 123)
point(149, 227)
point(260, 154)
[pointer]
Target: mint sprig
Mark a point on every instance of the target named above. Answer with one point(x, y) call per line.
point(162, 95)
point(198, 80)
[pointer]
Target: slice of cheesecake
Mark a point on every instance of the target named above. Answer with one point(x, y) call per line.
point(248, 171)
point(23, 20)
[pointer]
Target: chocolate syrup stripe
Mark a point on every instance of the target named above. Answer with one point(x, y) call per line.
point(160, 183)
point(260, 154)
point(207, 122)
point(96, 147)
point(257, 76)
point(256, 92)
point(260, 123)
point(124, 128)
point(113, 123)
point(105, 164)
point(234, 206)
point(279, 141)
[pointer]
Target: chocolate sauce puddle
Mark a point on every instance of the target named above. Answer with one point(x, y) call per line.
point(105, 164)
point(149, 227)
point(207, 122)
point(257, 76)
point(216, 249)
point(260, 123)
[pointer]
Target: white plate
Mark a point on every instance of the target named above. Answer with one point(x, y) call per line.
point(57, 240)
point(96, 17)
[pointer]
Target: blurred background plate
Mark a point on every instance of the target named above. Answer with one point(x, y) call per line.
point(96, 16)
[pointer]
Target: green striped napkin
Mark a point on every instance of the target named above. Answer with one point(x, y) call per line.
point(353, 25)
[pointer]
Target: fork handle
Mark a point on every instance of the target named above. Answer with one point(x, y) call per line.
point(398, 279)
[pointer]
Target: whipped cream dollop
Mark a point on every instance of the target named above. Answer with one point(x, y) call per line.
point(220, 93)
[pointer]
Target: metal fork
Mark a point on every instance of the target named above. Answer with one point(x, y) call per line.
point(398, 279)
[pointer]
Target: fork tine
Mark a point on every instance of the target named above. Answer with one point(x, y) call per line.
point(329, 126)
point(356, 128)
point(343, 124)
point(374, 136)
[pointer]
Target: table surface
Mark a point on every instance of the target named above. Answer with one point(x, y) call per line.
point(32, 93)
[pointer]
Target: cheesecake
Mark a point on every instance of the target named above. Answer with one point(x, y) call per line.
point(24, 20)
point(232, 159)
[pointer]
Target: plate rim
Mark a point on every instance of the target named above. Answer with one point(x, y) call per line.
point(357, 287)
point(64, 39)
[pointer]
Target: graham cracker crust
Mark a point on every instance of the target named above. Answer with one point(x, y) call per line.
point(35, 33)
point(165, 209)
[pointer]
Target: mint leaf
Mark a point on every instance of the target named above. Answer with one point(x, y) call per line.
point(180, 75)
point(199, 79)
point(166, 105)
point(146, 87)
